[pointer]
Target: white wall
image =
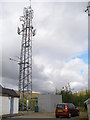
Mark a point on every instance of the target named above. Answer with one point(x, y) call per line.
point(0, 105)
point(88, 111)
point(44, 103)
point(16, 105)
point(55, 99)
point(47, 103)
point(5, 105)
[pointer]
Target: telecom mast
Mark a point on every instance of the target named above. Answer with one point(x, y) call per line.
point(25, 70)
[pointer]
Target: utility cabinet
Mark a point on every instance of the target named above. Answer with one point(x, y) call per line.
point(47, 103)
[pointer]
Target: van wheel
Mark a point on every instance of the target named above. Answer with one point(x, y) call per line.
point(69, 115)
point(78, 113)
point(57, 116)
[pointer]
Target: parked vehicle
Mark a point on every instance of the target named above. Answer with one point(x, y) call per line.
point(66, 110)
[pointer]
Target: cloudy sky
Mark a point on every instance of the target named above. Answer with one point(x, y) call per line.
point(60, 47)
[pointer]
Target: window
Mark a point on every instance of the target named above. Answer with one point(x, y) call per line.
point(61, 106)
point(71, 106)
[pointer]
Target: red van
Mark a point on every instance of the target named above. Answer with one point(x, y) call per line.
point(66, 110)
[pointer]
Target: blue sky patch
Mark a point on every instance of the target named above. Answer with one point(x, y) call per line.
point(84, 57)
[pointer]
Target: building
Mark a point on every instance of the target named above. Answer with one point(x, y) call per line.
point(87, 102)
point(47, 103)
point(9, 101)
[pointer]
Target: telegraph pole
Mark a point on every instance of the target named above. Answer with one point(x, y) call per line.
point(25, 66)
point(88, 11)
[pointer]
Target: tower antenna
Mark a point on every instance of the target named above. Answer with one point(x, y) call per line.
point(30, 3)
point(25, 66)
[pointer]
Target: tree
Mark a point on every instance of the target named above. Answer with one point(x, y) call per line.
point(65, 92)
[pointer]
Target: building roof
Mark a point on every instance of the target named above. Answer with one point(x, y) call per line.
point(8, 92)
point(87, 101)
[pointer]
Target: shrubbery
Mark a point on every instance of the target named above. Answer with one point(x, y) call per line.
point(75, 98)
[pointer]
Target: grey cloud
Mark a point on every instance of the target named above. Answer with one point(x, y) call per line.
point(61, 28)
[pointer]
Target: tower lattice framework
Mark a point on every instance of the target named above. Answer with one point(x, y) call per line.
point(25, 66)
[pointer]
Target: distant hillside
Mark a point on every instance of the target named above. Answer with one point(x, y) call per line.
point(83, 92)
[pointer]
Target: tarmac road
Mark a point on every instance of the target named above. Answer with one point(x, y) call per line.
point(43, 115)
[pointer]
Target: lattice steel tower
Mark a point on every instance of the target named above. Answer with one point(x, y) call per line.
point(25, 71)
